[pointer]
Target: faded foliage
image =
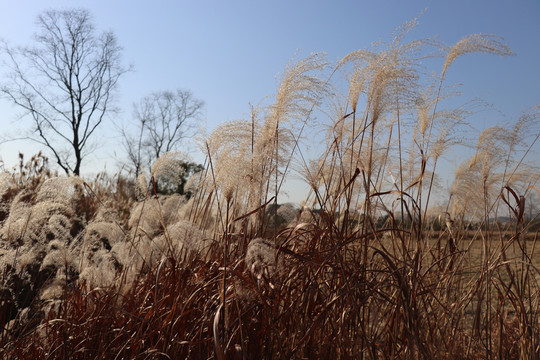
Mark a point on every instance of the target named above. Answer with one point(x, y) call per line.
point(367, 267)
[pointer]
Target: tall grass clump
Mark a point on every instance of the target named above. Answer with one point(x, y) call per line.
point(367, 267)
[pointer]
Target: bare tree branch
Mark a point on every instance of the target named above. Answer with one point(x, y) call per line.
point(164, 119)
point(65, 82)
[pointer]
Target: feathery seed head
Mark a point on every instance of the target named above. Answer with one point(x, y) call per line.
point(141, 188)
point(187, 238)
point(481, 43)
point(172, 208)
point(101, 235)
point(168, 168)
point(261, 258)
point(146, 218)
point(60, 189)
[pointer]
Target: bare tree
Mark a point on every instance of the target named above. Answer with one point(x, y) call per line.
point(133, 145)
point(65, 82)
point(164, 119)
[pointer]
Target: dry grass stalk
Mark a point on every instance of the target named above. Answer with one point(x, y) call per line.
point(369, 271)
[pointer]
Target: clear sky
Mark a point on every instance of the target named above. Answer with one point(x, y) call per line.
point(231, 53)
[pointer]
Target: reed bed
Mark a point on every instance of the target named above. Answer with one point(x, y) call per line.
point(365, 268)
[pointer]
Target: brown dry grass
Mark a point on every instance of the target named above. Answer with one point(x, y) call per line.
point(336, 282)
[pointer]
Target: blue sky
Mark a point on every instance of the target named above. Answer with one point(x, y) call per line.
point(231, 53)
